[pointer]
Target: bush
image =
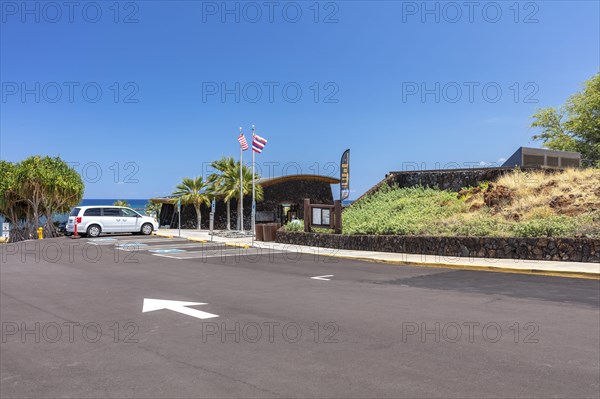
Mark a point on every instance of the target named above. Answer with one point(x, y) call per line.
point(401, 211)
point(478, 226)
point(557, 226)
point(295, 225)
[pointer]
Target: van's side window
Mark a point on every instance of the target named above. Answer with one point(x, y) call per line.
point(111, 212)
point(128, 213)
point(92, 212)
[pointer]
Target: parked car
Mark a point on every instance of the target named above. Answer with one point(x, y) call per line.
point(93, 220)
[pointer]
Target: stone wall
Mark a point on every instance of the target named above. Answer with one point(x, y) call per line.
point(558, 249)
point(452, 180)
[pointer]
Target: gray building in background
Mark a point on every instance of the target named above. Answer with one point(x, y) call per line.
point(541, 157)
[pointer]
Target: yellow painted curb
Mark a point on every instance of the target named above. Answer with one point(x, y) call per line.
point(163, 235)
point(197, 239)
point(495, 269)
point(237, 244)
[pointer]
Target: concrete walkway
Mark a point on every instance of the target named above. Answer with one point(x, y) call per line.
point(551, 268)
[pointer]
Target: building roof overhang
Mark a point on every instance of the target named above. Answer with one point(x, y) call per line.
point(264, 182)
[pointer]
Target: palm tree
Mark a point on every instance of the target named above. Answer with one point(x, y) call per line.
point(221, 184)
point(192, 191)
point(234, 176)
point(153, 209)
point(120, 203)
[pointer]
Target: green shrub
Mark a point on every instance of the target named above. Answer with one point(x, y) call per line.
point(481, 226)
point(400, 211)
point(322, 230)
point(295, 225)
point(556, 226)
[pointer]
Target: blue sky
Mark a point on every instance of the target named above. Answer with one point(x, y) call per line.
point(402, 84)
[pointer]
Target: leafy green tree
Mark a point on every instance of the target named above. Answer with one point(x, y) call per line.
point(37, 186)
point(9, 201)
point(193, 191)
point(63, 190)
point(31, 178)
point(575, 126)
point(120, 203)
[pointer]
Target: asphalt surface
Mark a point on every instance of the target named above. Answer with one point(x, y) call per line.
point(73, 325)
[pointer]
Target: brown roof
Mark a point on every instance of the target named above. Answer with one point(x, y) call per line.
point(269, 181)
point(265, 182)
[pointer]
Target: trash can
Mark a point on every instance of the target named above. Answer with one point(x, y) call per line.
point(269, 232)
point(259, 232)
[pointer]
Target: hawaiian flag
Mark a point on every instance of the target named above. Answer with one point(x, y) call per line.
point(243, 142)
point(258, 143)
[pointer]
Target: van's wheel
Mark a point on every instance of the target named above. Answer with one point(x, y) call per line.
point(147, 229)
point(94, 230)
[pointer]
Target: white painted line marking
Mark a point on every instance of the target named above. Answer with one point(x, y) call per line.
point(207, 254)
point(112, 241)
point(187, 244)
point(166, 251)
point(151, 305)
point(324, 278)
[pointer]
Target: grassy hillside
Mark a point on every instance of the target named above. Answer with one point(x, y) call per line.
point(519, 204)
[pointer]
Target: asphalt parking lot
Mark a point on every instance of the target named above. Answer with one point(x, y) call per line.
point(127, 316)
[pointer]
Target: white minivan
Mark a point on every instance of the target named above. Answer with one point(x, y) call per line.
point(93, 220)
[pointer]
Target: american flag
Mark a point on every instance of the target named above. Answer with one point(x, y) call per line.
point(258, 143)
point(243, 142)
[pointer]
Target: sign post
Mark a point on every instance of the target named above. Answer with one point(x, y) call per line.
point(6, 231)
point(345, 176)
point(241, 199)
point(179, 215)
point(213, 206)
point(253, 222)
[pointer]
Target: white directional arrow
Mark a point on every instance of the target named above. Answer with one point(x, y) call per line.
point(176, 306)
point(324, 278)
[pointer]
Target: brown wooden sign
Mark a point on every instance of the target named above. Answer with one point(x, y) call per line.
point(323, 215)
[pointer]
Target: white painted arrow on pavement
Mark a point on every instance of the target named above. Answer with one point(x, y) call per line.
point(176, 306)
point(324, 278)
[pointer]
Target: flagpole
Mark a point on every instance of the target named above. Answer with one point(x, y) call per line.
point(253, 191)
point(241, 215)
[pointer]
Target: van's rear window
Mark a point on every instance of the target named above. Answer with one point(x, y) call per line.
point(75, 212)
point(92, 212)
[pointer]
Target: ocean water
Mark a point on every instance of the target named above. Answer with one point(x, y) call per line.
point(138, 205)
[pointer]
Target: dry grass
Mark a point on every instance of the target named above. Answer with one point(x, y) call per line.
point(537, 195)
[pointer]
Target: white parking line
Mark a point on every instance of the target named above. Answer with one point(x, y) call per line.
point(187, 244)
point(113, 241)
point(223, 253)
